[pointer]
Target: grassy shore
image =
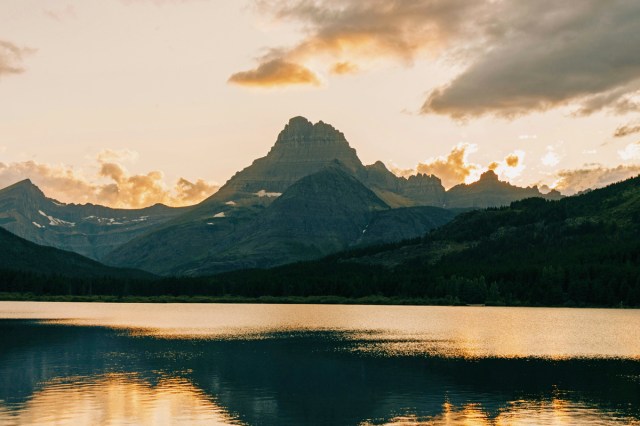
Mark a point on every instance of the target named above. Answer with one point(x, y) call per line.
point(323, 300)
point(337, 300)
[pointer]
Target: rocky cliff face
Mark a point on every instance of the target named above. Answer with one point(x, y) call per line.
point(90, 230)
point(420, 189)
point(302, 148)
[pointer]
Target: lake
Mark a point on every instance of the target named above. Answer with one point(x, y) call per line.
point(245, 364)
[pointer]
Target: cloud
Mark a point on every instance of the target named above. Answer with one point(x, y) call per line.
point(595, 176)
point(61, 14)
point(512, 160)
point(455, 167)
point(276, 72)
point(626, 130)
point(452, 169)
point(11, 57)
point(630, 152)
point(157, 2)
point(549, 54)
point(113, 186)
point(510, 167)
point(350, 33)
point(107, 155)
point(551, 157)
point(343, 68)
point(515, 56)
point(188, 193)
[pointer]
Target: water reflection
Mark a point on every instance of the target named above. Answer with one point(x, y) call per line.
point(116, 399)
point(61, 374)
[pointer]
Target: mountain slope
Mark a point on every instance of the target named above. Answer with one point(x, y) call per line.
point(21, 255)
point(87, 229)
point(581, 250)
point(320, 214)
point(404, 223)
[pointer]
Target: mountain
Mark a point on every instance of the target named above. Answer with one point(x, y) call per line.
point(489, 191)
point(302, 148)
point(578, 251)
point(88, 229)
point(322, 213)
point(23, 256)
point(420, 189)
point(284, 208)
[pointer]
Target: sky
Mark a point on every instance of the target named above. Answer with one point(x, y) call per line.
point(132, 102)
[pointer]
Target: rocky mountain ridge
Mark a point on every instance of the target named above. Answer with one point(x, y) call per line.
point(89, 229)
point(304, 199)
point(324, 212)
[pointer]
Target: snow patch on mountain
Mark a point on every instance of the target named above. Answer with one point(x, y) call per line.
point(264, 193)
point(55, 221)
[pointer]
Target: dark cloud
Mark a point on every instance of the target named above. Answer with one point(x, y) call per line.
point(516, 56)
point(550, 54)
point(11, 57)
point(276, 72)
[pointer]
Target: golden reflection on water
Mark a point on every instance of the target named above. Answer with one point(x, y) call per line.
point(116, 399)
point(469, 332)
point(119, 399)
point(556, 412)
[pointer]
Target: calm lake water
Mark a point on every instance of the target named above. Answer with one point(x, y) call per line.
point(224, 364)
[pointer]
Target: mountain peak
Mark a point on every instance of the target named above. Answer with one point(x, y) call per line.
point(23, 186)
point(378, 166)
point(489, 176)
point(297, 125)
point(301, 130)
point(302, 148)
point(25, 183)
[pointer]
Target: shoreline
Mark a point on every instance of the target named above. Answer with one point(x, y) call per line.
point(305, 300)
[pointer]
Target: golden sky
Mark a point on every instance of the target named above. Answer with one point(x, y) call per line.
point(130, 102)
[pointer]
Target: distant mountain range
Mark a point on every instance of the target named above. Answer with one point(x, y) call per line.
point(88, 229)
point(308, 197)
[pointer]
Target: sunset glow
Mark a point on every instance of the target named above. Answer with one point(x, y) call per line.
point(132, 102)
